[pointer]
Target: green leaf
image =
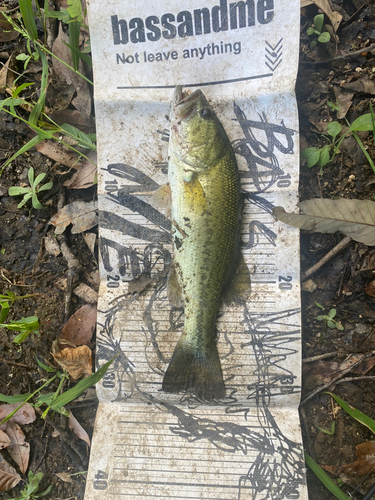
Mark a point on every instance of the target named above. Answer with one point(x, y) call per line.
point(331, 324)
point(82, 385)
point(21, 337)
point(74, 30)
point(21, 88)
point(31, 323)
point(326, 431)
point(30, 175)
point(26, 198)
point(39, 179)
point(83, 139)
point(325, 479)
point(20, 398)
point(324, 37)
point(28, 18)
point(318, 22)
point(22, 57)
point(320, 318)
point(333, 129)
point(45, 187)
point(356, 414)
point(38, 108)
point(332, 313)
point(363, 123)
point(36, 203)
point(324, 156)
point(85, 58)
point(75, 9)
point(310, 31)
point(45, 367)
point(4, 311)
point(311, 155)
point(62, 15)
point(17, 190)
point(33, 142)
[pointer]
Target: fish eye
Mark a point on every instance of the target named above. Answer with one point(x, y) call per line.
point(205, 113)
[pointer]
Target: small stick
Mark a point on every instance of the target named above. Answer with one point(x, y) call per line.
point(354, 379)
point(334, 251)
point(343, 56)
point(321, 356)
point(334, 380)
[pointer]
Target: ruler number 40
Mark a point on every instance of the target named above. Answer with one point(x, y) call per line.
point(285, 283)
point(101, 480)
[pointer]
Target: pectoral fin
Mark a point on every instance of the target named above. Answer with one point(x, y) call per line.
point(162, 198)
point(194, 196)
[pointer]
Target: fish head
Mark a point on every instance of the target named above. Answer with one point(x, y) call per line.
point(197, 136)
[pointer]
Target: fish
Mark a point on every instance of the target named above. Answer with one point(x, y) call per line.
point(206, 206)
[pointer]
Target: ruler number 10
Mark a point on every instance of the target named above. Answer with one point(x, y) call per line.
point(101, 480)
point(285, 283)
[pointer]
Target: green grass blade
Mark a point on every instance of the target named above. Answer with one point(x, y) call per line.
point(39, 106)
point(33, 142)
point(325, 479)
point(356, 414)
point(82, 138)
point(373, 121)
point(74, 30)
point(85, 58)
point(77, 390)
point(4, 311)
point(28, 18)
point(368, 157)
point(20, 398)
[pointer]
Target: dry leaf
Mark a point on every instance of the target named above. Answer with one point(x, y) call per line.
point(85, 175)
point(344, 100)
point(364, 367)
point(79, 213)
point(363, 85)
point(64, 476)
point(4, 440)
point(8, 476)
point(25, 415)
point(7, 33)
point(51, 245)
point(19, 449)
point(334, 17)
point(76, 361)
point(86, 293)
point(365, 463)
point(90, 239)
point(370, 289)
point(83, 100)
point(80, 326)
point(355, 218)
point(78, 430)
point(52, 150)
point(74, 118)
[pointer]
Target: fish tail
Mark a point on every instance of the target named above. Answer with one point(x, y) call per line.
point(195, 370)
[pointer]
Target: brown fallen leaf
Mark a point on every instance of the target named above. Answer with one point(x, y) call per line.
point(8, 476)
point(80, 326)
point(334, 17)
point(76, 361)
point(83, 101)
point(370, 289)
point(25, 415)
point(4, 440)
point(344, 100)
point(85, 175)
point(64, 476)
point(51, 245)
point(78, 430)
point(355, 218)
point(19, 449)
point(87, 294)
point(80, 214)
point(90, 239)
point(52, 150)
point(365, 463)
point(7, 33)
point(364, 85)
point(74, 118)
point(365, 366)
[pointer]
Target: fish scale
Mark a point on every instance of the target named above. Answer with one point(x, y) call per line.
point(206, 205)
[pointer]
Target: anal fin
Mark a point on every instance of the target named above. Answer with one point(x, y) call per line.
point(240, 285)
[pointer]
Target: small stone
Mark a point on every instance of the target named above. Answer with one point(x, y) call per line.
point(309, 286)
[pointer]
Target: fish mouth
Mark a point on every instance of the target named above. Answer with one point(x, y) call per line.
point(184, 102)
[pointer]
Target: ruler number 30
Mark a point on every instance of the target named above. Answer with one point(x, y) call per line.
point(285, 283)
point(101, 480)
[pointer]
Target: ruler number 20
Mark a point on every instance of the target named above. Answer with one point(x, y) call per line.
point(101, 480)
point(285, 283)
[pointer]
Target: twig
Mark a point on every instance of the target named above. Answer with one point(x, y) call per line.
point(15, 364)
point(358, 10)
point(354, 379)
point(334, 251)
point(334, 380)
point(73, 264)
point(321, 356)
point(343, 56)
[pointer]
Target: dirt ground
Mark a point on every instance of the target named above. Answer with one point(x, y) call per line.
point(327, 74)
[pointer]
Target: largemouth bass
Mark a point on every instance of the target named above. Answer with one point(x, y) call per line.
point(206, 212)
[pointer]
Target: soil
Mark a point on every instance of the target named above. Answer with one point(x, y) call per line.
point(25, 268)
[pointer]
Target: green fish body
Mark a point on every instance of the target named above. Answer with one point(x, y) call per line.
point(206, 212)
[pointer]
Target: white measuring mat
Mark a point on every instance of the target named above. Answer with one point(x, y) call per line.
point(149, 444)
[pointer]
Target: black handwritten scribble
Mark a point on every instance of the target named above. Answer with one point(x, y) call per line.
point(277, 471)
